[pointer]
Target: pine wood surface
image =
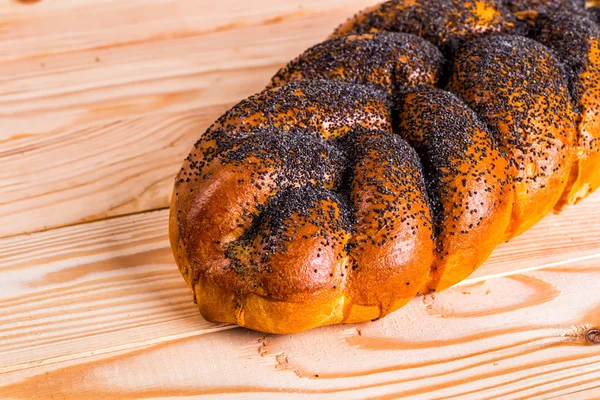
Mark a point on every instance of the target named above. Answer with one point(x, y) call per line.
point(100, 100)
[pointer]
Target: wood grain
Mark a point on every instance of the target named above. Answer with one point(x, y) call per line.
point(100, 100)
point(112, 168)
point(98, 125)
point(66, 26)
point(100, 311)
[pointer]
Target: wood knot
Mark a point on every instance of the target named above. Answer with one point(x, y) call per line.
point(593, 336)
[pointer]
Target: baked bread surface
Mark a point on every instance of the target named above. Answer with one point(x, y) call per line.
point(389, 160)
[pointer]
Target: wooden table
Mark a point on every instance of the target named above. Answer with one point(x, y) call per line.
point(100, 101)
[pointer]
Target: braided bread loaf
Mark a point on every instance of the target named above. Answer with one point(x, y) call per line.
point(355, 182)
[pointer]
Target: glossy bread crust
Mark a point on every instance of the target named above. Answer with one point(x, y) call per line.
point(576, 42)
point(387, 61)
point(529, 110)
point(445, 23)
point(389, 160)
point(467, 178)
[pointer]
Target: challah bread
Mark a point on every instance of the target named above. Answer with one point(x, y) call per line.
point(353, 182)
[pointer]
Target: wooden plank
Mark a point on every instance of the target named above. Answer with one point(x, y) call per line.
point(572, 236)
point(101, 132)
point(99, 102)
point(107, 169)
point(165, 75)
point(30, 29)
point(100, 311)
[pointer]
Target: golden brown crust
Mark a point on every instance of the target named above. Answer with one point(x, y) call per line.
point(391, 249)
point(322, 201)
point(516, 86)
point(235, 177)
point(467, 179)
point(254, 303)
point(576, 41)
point(331, 108)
